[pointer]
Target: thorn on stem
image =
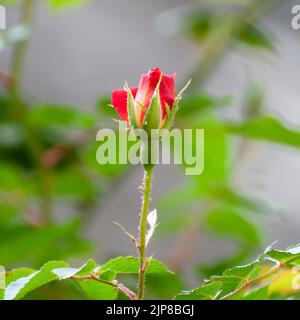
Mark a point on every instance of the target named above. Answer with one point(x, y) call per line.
point(129, 235)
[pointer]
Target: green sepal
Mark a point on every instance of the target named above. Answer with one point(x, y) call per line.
point(171, 113)
point(154, 114)
point(131, 108)
point(170, 116)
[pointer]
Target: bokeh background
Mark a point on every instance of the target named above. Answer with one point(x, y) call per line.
point(59, 62)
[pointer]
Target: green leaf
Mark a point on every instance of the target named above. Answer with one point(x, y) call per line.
point(257, 280)
point(22, 281)
point(256, 38)
point(295, 250)
point(201, 25)
point(14, 275)
point(292, 253)
point(227, 222)
point(267, 128)
point(245, 273)
point(258, 294)
point(131, 265)
point(19, 288)
point(206, 292)
point(234, 278)
point(198, 24)
point(93, 289)
point(65, 273)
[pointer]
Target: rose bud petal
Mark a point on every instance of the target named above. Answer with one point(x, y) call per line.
point(143, 95)
point(119, 101)
point(146, 88)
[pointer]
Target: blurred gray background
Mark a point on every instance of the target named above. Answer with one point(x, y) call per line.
point(77, 56)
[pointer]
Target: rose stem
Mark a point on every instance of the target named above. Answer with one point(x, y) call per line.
point(142, 230)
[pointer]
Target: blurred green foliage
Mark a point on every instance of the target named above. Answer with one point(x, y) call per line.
point(200, 25)
point(48, 158)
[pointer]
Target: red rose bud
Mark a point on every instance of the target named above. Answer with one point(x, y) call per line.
point(152, 105)
point(148, 105)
